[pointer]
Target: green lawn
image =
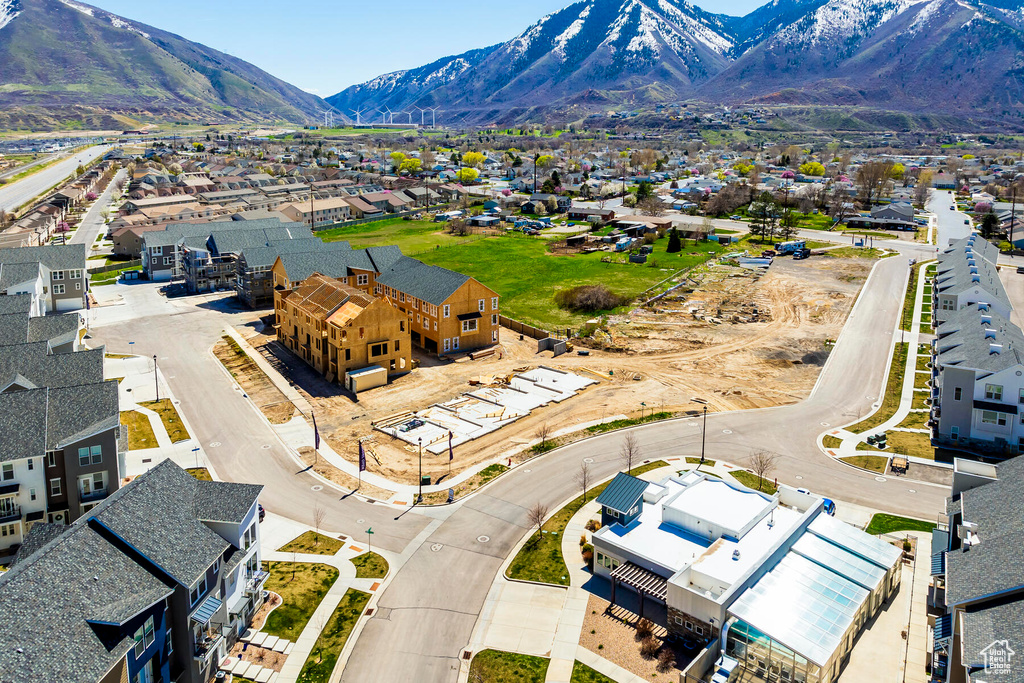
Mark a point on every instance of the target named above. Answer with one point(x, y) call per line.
point(882, 523)
point(910, 297)
point(829, 441)
point(109, 277)
point(620, 424)
point(915, 421)
point(527, 277)
point(875, 463)
point(140, 431)
point(922, 363)
point(906, 443)
point(581, 673)
point(752, 481)
point(540, 559)
point(856, 252)
point(412, 237)
point(920, 398)
point(169, 417)
point(494, 666)
point(312, 543)
point(893, 389)
point(320, 663)
point(871, 233)
point(370, 565)
point(200, 473)
point(301, 586)
point(696, 461)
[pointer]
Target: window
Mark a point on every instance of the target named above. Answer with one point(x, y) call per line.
point(418, 317)
point(398, 344)
point(31, 464)
point(954, 433)
point(169, 642)
point(699, 630)
point(958, 394)
point(378, 350)
point(435, 326)
point(494, 319)
point(362, 279)
point(76, 275)
point(426, 324)
point(83, 456)
point(7, 530)
point(58, 275)
point(447, 310)
point(197, 591)
point(1020, 397)
point(348, 354)
point(689, 625)
point(167, 260)
point(49, 460)
point(994, 392)
point(155, 251)
point(494, 336)
point(494, 303)
point(58, 289)
point(416, 304)
point(55, 487)
point(78, 286)
point(468, 326)
point(144, 637)
point(679, 620)
point(8, 472)
point(447, 344)
point(31, 494)
point(455, 343)
point(991, 417)
point(480, 305)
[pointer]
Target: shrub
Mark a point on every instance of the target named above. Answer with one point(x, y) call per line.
point(592, 525)
point(583, 540)
point(589, 299)
point(644, 628)
point(649, 647)
point(666, 660)
point(588, 558)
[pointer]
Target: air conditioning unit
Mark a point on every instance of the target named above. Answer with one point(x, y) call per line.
point(58, 517)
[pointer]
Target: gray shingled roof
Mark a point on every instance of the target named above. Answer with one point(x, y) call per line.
point(218, 501)
point(956, 275)
point(16, 303)
point(978, 245)
point(969, 344)
point(35, 363)
point(332, 263)
point(432, 284)
point(76, 412)
point(159, 516)
point(22, 425)
point(54, 256)
point(384, 257)
point(984, 625)
point(12, 274)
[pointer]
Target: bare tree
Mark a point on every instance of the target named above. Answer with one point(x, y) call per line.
point(537, 514)
point(583, 478)
point(319, 514)
point(320, 621)
point(872, 179)
point(543, 433)
point(630, 451)
point(762, 464)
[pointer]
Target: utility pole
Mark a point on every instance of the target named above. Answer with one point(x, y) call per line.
point(156, 379)
point(419, 498)
point(703, 433)
point(1013, 213)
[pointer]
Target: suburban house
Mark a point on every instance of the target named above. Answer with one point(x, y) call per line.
point(976, 600)
point(338, 329)
point(966, 274)
point(783, 586)
point(53, 275)
point(895, 216)
point(59, 423)
point(577, 213)
point(118, 596)
point(977, 387)
point(319, 212)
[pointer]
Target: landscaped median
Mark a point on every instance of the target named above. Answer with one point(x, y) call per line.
point(883, 523)
point(302, 586)
point(495, 666)
point(169, 417)
point(312, 543)
point(540, 559)
point(322, 660)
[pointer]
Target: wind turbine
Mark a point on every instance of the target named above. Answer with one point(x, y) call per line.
point(391, 115)
point(433, 115)
point(410, 115)
point(423, 114)
point(359, 113)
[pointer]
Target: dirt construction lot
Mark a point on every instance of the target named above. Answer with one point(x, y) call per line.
point(686, 347)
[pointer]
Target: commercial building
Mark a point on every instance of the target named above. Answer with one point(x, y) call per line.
point(156, 583)
point(785, 587)
point(976, 600)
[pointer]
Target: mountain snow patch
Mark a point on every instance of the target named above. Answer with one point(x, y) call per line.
point(8, 10)
point(838, 20)
point(118, 22)
point(571, 32)
point(78, 6)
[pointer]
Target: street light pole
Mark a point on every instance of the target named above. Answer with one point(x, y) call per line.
point(419, 498)
point(703, 432)
point(156, 379)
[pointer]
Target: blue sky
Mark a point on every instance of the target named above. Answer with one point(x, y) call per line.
point(324, 46)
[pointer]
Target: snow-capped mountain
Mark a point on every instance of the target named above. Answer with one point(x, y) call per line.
point(907, 55)
point(606, 49)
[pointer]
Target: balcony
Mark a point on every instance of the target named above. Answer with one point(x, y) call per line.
point(205, 648)
point(94, 495)
point(10, 513)
point(254, 582)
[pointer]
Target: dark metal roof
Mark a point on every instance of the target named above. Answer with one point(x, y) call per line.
point(997, 407)
point(206, 610)
point(939, 564)
point(622, 494)
point(9, 488)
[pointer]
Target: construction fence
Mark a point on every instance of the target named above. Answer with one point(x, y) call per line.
point(117, 265)
point(523, 328)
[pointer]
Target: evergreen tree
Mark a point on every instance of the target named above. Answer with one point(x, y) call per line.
point(675, 245)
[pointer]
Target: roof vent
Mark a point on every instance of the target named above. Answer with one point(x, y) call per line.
point(982, 306)
point(995, 348)
point(986, 320)
point(990, 334)
point(736, 554)
point(975, 278)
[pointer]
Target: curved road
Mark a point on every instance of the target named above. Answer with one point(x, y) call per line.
point(426, 615)
point(16, 194)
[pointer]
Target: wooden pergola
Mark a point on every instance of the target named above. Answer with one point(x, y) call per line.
point(643, 581)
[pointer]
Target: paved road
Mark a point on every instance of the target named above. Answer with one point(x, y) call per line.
point(93, 223)
point(15, 194)
point(24, 167)
point(951, 225)
point(427, 613)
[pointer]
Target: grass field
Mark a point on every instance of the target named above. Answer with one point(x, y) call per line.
point(494, 666)
point(320, 663)
point(875, 463)
point(829, 441)
point(540, 559)
point(412, 237)
point(752, 481)
point(301, 586)
point(857, 252)
point(109, 277)
point(170, 418)
point(581, 673)
point(312, 543)
point(893, 388)
point(200, 473)
point(370, 566)
point(140, 431)
point(882, 523)
point(906, 443)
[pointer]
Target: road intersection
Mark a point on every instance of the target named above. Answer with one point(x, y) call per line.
point(450, 555)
